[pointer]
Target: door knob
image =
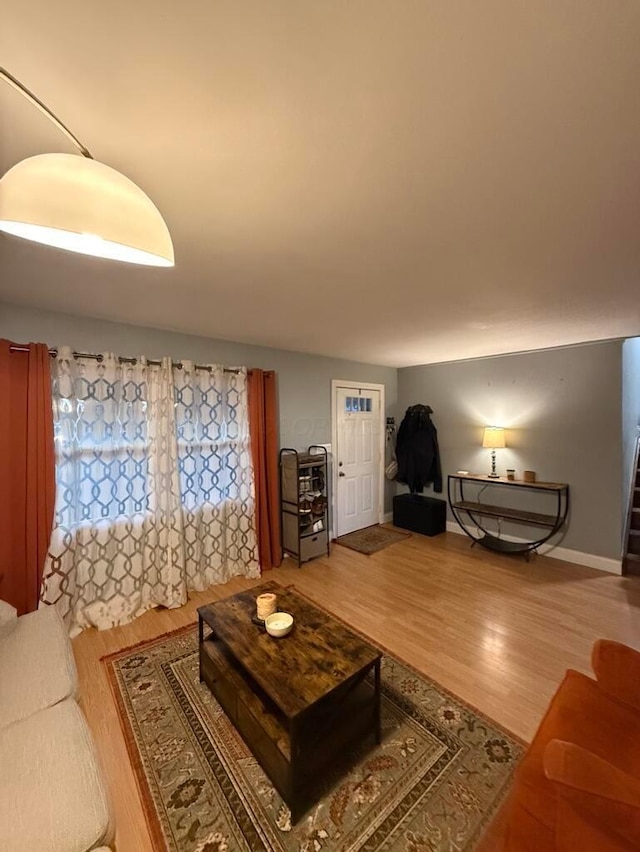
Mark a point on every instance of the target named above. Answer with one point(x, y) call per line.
point(341, 473)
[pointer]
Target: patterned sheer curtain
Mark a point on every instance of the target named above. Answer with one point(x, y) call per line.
point(125, 537)
point(216, 475)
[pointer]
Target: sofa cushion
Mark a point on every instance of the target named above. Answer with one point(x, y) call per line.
point(37, 667)
point(581, 713)
point(52, 796)
point(8, 618)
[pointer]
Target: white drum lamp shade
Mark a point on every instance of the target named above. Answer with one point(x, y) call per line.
point(76, 203)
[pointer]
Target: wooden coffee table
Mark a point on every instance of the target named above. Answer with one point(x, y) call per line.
point(299, 702)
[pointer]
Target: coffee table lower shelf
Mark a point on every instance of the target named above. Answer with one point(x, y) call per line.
point(294, 753)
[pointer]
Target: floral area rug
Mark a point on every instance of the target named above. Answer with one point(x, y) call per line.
point(431, 785)
point(371, 539)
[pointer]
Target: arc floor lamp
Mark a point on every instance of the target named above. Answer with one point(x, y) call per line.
point(76, 203)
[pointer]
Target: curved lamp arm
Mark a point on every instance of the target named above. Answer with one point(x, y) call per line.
point(79, 204)
point(20, 87)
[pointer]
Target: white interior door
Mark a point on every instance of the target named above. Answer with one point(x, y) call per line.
point(357, 458)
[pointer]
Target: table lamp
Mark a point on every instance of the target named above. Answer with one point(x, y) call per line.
point(493, 439)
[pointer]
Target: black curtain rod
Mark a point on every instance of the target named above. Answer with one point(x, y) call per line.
point(122, 360)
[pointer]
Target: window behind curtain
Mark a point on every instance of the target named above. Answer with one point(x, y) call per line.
point(216, 474)
point(154, 487)
point(100, 429)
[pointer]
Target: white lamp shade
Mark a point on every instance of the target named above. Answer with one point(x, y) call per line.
point(76, 203)
point(493, 438)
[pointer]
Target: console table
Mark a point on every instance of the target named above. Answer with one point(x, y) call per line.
point(469, 511)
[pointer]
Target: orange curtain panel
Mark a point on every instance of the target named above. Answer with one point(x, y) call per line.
point(263, 426)
point(27, 472)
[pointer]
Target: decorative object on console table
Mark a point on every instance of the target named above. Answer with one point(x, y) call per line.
point(304, 503)
point(472, 512)
point(493, 439)
point(426, 515)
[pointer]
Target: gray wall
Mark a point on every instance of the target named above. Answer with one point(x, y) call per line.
point(304, 380)
point(630, 411)
point(561, 409)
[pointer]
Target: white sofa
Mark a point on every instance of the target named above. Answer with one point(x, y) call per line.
point(52, 794)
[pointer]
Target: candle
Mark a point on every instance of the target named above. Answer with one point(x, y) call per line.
point(266, 604)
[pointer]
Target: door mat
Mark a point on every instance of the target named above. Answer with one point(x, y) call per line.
point(371, 539)
point(433, 783)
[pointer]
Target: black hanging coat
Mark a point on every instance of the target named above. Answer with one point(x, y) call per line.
point(417, 450)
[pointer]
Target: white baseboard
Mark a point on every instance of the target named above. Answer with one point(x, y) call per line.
point(577, 557)
point(387, 518)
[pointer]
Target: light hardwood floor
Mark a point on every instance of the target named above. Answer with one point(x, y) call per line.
point(495, 630)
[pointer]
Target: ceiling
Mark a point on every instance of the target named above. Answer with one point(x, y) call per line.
point(389, 181)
